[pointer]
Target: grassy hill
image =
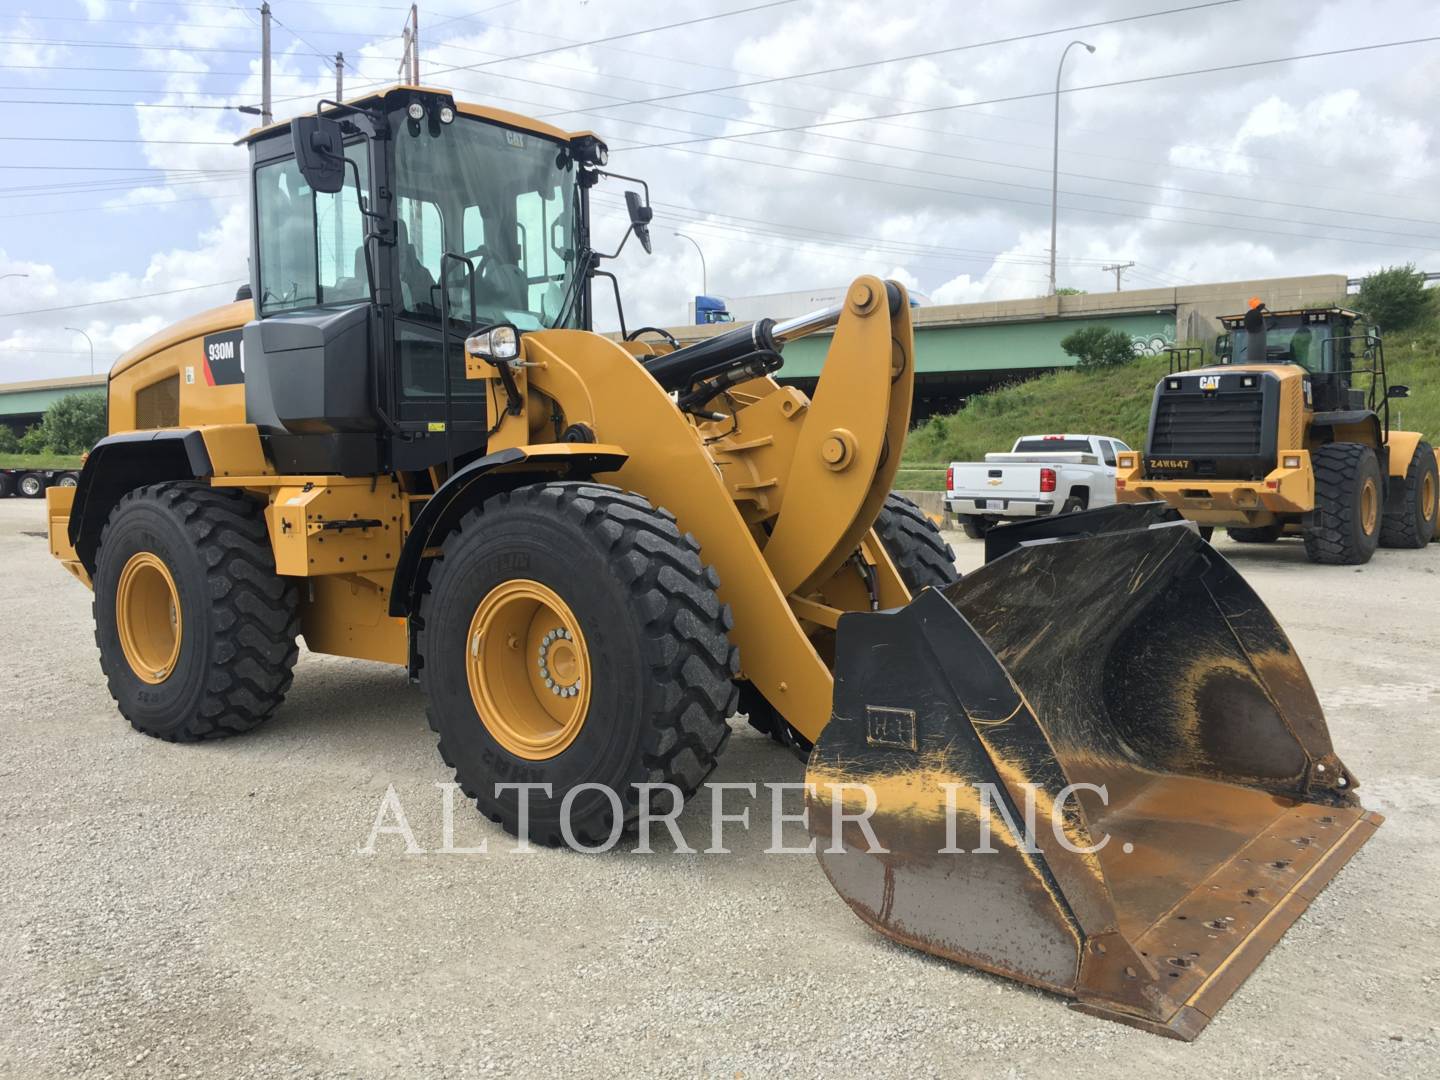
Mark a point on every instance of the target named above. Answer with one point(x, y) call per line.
point(1116, 401)
point(39, 461)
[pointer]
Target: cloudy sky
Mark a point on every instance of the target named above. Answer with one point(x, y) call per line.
point(751, 126)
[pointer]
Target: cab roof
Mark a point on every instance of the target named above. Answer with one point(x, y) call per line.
point(378, 98)
point(1338, 312)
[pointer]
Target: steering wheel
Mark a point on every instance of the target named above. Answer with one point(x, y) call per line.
point(669, 337)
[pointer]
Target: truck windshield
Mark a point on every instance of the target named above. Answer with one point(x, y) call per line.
point(1053, 446)
point(504, 199)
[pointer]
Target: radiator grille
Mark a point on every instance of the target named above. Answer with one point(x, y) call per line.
point(1214, 425)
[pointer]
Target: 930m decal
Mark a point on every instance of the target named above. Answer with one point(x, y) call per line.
point(225, 358)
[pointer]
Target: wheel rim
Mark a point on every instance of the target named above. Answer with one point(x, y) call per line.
point(1427, 498)
point(148, 618)
point(1369, 507)
point(69, 481)
point(30, 486)
point(528, 669)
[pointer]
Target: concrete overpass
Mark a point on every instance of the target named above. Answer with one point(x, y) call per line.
point(23, 403)
point(961, 349)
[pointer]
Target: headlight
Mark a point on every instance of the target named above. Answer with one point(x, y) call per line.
point(589, 150)
point(1291, 461)
point(499, 343)
point(416, 111)
point(447, 114)
point(1126, 461)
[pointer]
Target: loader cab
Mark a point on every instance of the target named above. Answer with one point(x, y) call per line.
point(1342, 355)
point(369, 272)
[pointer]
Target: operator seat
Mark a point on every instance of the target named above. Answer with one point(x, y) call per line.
point(416, 284)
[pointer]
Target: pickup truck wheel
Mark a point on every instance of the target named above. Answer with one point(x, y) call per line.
point(32, 485)
point(1263, 534)
point(1072, 506)
point(975, 528)
point(921, 554)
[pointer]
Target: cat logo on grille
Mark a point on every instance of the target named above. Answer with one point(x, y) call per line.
point(1209, 383)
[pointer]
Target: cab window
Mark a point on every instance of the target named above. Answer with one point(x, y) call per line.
point(311, 243)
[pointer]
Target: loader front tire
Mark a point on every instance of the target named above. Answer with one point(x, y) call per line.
point(914, 543)
point(1411, 521)
point(1344, 528)
point(570, 636)
point(196, 630)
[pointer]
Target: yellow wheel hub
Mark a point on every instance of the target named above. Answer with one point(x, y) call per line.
point(1427, 498)
point(528, 669)
point(147, 617)
point(1369, 507)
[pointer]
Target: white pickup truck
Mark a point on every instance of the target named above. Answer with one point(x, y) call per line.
point(1040, 476)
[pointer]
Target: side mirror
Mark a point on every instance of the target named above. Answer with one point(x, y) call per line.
point(640, 217)
point(1398, 391)
point(319, 152)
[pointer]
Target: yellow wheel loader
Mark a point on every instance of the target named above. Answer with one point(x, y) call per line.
point(405, 443)
point(1289, 434)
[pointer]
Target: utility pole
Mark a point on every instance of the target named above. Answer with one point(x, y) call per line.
point(339, 76)
point(1117, 270)
point(1055, 165)
point(410, 39)
point(266, 115)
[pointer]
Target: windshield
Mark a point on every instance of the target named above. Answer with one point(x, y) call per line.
point(1301, 345)
point(504, 199)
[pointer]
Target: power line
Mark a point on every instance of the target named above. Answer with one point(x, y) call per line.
point(147, 142)
point(616, 37)
point(1000, 183)
point(1076, 28)
point(1027, 202)
point(1048, 93)
point(120, 299)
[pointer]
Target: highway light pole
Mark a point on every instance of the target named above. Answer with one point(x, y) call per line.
point(86, 336)
point(1055, 161)
point(704, 274)
point(4, 276)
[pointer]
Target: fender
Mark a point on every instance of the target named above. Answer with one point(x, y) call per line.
point(121, 463)
point(503, 470)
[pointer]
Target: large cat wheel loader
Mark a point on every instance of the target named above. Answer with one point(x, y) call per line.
point(1289, 434)
point(406, 444)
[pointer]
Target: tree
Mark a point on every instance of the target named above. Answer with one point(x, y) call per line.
point(1395, 297)
point(1069, 290)
point(33, 441)
point(74, 423)
point(9, 441)
point(1098, 346)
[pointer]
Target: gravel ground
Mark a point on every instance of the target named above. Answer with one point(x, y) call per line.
point(204, 910)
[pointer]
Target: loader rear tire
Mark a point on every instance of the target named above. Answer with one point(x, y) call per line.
point(196, 630)
point(646, 654)
point(1344, 528)
point(914, 542)
point(1411, 521)
point(1260, 534)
